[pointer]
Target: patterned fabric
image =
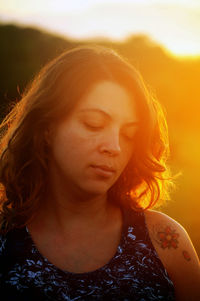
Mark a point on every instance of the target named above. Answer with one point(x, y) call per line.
point(134, 273)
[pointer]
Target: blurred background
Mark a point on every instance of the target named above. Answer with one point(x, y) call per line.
point(160, 37)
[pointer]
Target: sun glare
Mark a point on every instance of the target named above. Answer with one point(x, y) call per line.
point(183, 49)
point(174, 24)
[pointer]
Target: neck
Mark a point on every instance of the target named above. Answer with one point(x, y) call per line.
point(65, 209)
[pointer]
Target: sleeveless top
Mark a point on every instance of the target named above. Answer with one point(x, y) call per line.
point(135, 272)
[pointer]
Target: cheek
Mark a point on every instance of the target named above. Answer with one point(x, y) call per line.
point(82, 142)
point(74, 146)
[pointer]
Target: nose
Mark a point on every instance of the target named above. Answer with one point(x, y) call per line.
point(111, 144)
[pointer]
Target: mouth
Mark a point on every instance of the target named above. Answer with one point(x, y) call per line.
point(103, 170)
point(105, 167)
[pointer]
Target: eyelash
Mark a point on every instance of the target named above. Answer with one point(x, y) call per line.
point(93, 127)
point(96, 128)
point(128, 138)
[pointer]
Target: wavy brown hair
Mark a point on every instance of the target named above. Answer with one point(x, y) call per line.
point(52, 94)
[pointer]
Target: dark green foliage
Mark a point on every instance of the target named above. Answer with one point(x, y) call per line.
point(23, 52)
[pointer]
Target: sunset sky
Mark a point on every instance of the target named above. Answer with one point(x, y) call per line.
point(172, 23)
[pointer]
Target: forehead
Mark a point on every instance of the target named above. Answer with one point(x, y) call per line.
point(111, 98)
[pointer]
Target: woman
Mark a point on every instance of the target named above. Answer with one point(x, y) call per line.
point(83, 159)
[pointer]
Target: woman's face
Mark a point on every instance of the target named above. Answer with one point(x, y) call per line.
point(91, 147)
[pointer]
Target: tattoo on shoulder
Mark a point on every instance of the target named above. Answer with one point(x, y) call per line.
point(166, 237)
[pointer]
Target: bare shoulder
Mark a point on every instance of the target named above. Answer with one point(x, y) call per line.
point(170, 239)
point(177, 253)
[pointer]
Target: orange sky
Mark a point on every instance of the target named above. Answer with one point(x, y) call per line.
point(173, 23)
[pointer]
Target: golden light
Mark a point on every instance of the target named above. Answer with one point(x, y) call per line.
point(173, 23)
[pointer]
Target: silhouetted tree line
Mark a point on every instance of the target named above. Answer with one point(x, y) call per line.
point(175, 82)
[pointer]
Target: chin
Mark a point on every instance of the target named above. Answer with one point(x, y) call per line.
point(96, 188)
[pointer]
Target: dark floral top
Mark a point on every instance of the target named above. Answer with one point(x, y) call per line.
point(134, 273)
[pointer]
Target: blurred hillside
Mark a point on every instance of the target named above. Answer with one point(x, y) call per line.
point(175, 82)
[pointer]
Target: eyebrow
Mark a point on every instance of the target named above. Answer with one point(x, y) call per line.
point(132, 123)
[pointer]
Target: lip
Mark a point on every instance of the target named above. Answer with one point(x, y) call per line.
point(103, 170)
point(105, 167)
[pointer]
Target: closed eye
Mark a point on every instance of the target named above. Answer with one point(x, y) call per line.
point(129, 133)
point(93, 127)
point(128, 137)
